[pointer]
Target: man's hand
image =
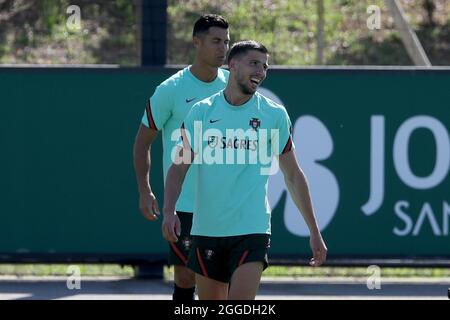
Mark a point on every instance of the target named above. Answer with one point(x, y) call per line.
point(171, 227)
point(318, 248)
point(149, 206)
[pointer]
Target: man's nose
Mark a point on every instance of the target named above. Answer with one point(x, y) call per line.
point(261, 71)
point(223, 48)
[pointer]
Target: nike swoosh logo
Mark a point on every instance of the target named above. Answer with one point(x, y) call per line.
point(189, 100)
point(212, 121)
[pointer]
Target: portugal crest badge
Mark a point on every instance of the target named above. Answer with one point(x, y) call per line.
point(212, 141)
point(255, 123)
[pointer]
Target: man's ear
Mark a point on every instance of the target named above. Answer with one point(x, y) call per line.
point(232, 64)
point(196, 41)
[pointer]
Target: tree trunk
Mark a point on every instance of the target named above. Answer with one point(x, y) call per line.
point(320, 32)
point(429, 7)
point(138, 4)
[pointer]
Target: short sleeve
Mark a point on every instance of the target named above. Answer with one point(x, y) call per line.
point(190, 130)
point(282, 141)
point(159, 107)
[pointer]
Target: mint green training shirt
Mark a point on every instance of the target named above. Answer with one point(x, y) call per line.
point(167, 108)
point(234, 147)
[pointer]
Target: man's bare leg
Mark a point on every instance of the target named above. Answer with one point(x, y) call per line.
point(184, 280)
point(245, 281)
point(184, 277)
point(210, 289)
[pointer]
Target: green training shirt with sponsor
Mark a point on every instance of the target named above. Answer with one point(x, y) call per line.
point(234, 147)
point(167, 108)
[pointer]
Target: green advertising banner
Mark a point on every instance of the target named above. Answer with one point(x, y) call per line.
point(374, 144)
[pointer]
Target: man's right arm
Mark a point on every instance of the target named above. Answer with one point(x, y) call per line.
point(142, 160)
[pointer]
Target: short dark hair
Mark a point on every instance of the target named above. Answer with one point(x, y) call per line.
point(242, 47)
point(207, 21)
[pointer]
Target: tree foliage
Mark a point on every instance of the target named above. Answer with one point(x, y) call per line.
point(34, 31)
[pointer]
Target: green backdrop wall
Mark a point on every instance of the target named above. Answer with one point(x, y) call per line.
point(374, 144)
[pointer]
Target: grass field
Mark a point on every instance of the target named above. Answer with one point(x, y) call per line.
point(274, 271)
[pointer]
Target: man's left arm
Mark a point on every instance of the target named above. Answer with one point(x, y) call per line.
point(297, 185)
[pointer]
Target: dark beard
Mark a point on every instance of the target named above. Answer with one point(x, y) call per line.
point(244, 89)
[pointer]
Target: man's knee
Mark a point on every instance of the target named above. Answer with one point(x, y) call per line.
point(184, 286)
point(184, 277)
